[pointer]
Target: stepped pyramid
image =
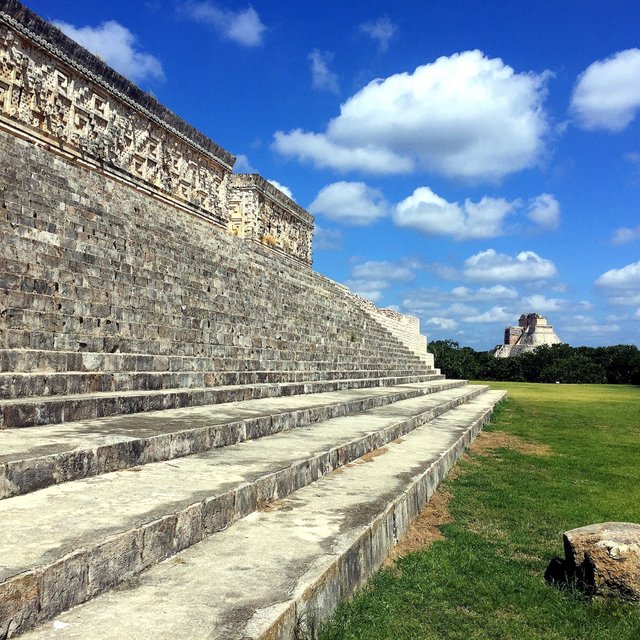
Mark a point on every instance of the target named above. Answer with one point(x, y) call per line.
point(200, 437)
point(533, 331)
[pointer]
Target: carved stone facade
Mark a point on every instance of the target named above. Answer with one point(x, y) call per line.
point(533, 330)
point(55, 93)
point(262, 213)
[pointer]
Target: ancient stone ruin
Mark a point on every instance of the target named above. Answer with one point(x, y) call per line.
point(533, 330)
point(177, 385)
point(602, 560)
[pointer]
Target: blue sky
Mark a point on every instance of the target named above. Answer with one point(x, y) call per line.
point(466, 161)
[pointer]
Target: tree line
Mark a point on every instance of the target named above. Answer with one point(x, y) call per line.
point(562, 363)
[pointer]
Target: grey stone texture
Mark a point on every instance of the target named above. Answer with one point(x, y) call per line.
point(71, 102)
point(34, 459)
point(115, 303)
point(308, 536)
point(604, 559)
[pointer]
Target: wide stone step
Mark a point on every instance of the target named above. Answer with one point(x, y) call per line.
point(43, 293)
point(130, 520)
point(47, 310)
point(43, 410)
point(226, 329)
point(273, 574)
point(21, 385)
point(201, 311)
point(195, 344)
point(34, 458)
point(17, 361)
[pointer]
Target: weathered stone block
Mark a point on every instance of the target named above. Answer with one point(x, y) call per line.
point(605, 558)
point(64, 584)
point(114, 561)
point(19, 604)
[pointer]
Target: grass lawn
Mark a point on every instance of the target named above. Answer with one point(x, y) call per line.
point(554, 458)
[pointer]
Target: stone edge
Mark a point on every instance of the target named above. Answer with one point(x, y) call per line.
point(161, 538)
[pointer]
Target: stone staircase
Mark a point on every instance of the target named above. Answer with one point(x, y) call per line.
point(187, 318)
point(287, 506)
point(197, 439)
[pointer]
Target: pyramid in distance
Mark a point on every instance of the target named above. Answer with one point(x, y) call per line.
point(533, 331)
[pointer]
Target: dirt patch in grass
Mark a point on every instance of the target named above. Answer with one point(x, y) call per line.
point(488, 441)
point(425, 528)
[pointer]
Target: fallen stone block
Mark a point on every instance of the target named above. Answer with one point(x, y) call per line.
point(604, 559)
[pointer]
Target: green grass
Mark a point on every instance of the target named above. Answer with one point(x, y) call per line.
point(486, 578)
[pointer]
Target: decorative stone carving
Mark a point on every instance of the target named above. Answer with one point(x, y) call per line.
point(261, 212)
point(57, 93)
point(62, 105)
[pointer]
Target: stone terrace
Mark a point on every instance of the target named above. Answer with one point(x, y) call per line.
point(199, 436)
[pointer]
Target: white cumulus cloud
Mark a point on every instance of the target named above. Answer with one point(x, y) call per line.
point(325, 153)
point(584, 326)
point(242, 26)
point(117, 46)
point(384, 270)
point(607, 93)
point(627, 277)
point(465, 116)
point(542, 304)
point(326, 239)
point(353, 203)
point(442, 323)
point(381, 30)
point(321, 75)
point(624, 298)
point(544, 210)
point(370, 279)
point(429, 213)
point(489, 266)
point(243, 165)
point(495, 314)
point(496, 292)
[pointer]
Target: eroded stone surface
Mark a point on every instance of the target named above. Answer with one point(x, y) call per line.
point(297, 561)
point(605, 558)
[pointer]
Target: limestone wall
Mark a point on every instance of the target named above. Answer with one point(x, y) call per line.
point(89, 266)
point(404, 327)
point(56, 93)
point(108, 265)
